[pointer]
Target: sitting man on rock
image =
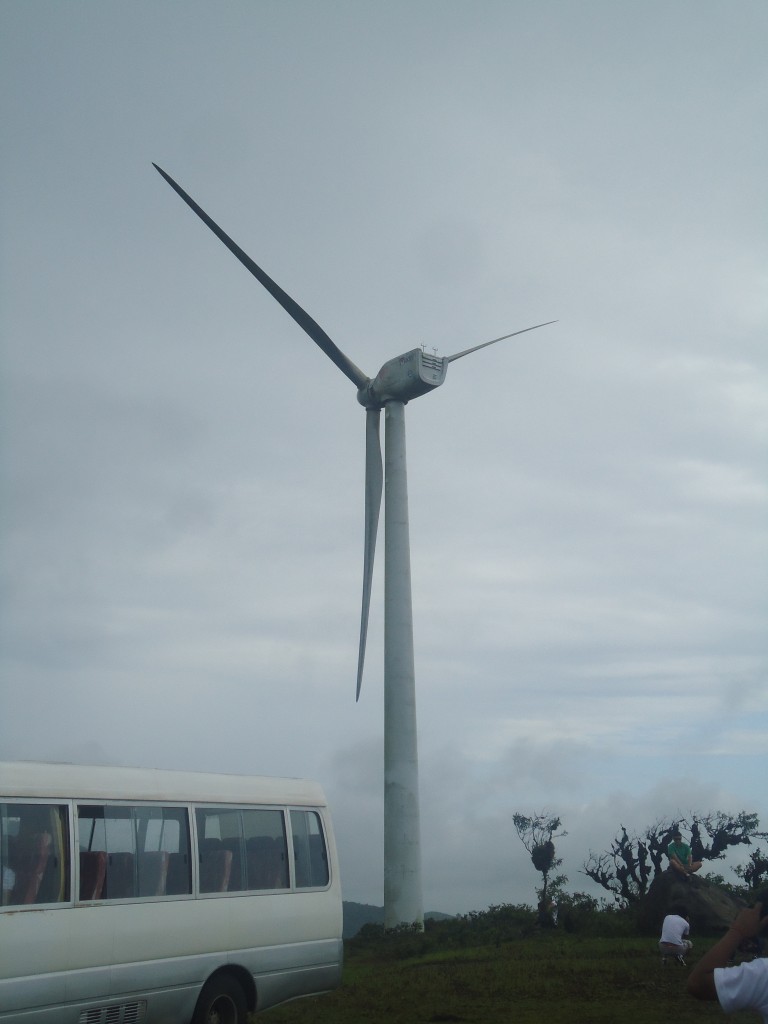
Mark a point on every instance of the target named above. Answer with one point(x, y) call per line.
point(680, 857)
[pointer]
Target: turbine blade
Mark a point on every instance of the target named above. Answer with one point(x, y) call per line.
point(458, 355)
point(374, 477)
point(302, 318)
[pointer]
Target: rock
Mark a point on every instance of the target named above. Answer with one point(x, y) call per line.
point(710, 908)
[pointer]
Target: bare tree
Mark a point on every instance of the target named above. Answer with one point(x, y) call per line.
point(755, 872)
point(625, 869)
point(722, 830)
point(633, 860)
point(537, 834)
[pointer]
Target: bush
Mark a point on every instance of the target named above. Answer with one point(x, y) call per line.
point(584, 915)
point(493, 926)
point(578, 914)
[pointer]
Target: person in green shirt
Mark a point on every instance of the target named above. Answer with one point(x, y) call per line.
point(680, 857)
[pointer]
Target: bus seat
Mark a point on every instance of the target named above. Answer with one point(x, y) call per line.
point(31, 861)
point(93, 870)
point(281, 852)
point(267, 865)
point(178, 881)
point(235, 883)
point(153, 872)
point(215, 869)
point(261, 862)
point(120, 882)
point(319, 860)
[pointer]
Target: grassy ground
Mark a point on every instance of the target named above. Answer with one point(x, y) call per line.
point(547, 978)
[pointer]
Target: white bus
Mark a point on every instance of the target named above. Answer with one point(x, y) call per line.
point(133, 895)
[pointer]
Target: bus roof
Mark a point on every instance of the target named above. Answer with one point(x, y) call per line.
point(42, 780)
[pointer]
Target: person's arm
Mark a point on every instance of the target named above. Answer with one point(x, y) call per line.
point(748, 923)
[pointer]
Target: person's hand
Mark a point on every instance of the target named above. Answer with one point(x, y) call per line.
point(750, 922)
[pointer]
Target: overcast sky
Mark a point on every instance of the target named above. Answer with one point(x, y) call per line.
point(182, 468)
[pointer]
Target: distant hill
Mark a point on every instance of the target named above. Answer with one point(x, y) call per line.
point(358, 914)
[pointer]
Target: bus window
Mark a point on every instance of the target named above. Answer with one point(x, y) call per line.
point(34, 854)
point(266, 849)
point(109, 831)
point(219, 839)
point(163, 860)
point(241, 850)
point(309, 851)
point(127, 852)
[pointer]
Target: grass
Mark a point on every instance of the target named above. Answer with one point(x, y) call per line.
point(545, 977)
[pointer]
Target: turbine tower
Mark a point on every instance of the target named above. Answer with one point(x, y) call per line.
point(398, 381)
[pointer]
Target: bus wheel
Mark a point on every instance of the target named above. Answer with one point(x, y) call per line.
point(222, 1001)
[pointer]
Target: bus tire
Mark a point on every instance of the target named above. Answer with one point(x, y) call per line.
point(222, 1001)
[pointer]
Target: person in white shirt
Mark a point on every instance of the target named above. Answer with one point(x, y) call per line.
point(737, 988)
point(674, 939)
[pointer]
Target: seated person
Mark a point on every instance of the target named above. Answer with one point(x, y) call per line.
point(680, 858)
point(674, 932)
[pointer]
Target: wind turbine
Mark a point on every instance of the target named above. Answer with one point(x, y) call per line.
point(403, 378)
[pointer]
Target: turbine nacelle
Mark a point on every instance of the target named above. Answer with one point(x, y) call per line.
point(405, 377)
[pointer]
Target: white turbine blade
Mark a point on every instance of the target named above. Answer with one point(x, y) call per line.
point(292, 308)
point(458, 355)
point(374, 479)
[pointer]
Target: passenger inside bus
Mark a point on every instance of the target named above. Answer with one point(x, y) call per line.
point(32, 854)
